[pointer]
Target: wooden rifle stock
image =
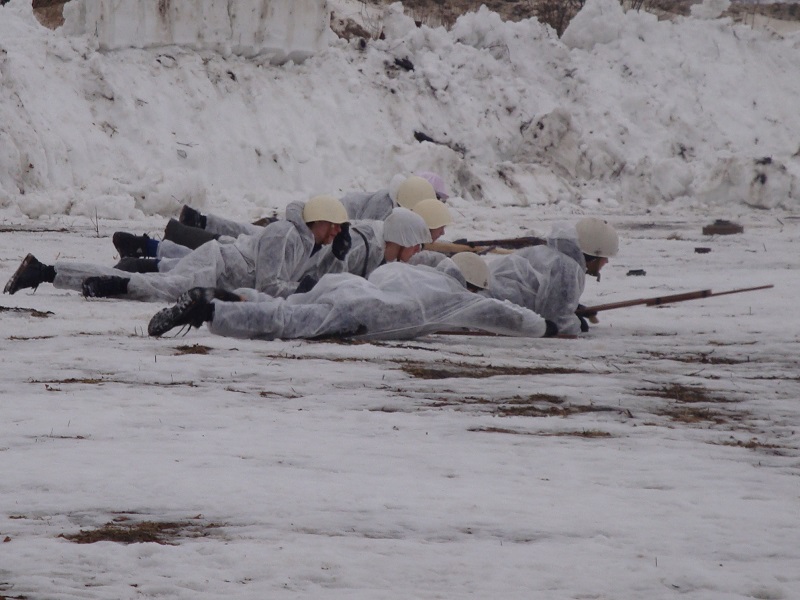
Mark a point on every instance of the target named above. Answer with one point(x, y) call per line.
point(501, 246)
point(589, 311)
point(451, 248)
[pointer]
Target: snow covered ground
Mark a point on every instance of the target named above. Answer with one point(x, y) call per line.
point(655, 457)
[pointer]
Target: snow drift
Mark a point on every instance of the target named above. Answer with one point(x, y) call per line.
point(624, 110)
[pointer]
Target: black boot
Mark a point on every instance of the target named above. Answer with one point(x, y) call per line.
point(29, 274)
point(104, 286)
point(226, 296)
point(137, 265)
point(193, 308)
point(128, 244)
point(184, 235)
point(192, 218)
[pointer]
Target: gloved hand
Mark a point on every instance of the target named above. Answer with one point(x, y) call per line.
point(585, 320)
point(306, 284)
point(552, 329)
point(342, 242)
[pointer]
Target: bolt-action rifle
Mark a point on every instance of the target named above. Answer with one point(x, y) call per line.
point(501, 246)
point(509, 243)
point(590, 311)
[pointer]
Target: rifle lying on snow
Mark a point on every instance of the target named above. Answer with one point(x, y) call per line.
point(483, 246)
point(590, 311)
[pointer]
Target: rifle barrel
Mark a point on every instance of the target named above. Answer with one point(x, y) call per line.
point(518, 242)
point(750, 289)
point(588, 311)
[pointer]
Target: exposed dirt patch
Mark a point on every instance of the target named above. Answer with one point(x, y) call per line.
point(447, 370)
point(349, 29)
point(771, 378)
point(687, 394)
point(88, 380)
point(726, 343)
point(695, 415)
point(699, 358)
point(193, 349)
point(32, 230)
point(531, 410)
point(97, 381)
point(165, 533)
point(756, 444)
point(28, 311)
point(587, 433)
point(696, 405)
point(289, 396)
point(535, 405)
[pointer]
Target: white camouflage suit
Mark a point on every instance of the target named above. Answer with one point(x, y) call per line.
point(361, 206)
point(272, 262)
point(365, 255)
point(398, 301)
point(549, 279)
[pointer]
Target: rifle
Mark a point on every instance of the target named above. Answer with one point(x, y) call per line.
point(499, 246)
point(451, 248)
point(510, 243)
point(590, 311)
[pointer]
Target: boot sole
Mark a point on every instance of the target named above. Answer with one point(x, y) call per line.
point(11, 286)
point(170, 318)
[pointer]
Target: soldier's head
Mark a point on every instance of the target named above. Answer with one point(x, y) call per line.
point(324, 216)
point(413, 190)
point(439, 186)
point(404, 232)
point(598, 241)
point(436, 215)
point(474, 269)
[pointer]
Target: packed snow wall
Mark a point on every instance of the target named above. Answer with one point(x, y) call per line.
point(282, 30)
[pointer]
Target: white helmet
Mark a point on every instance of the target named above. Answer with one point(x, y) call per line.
point(597, 238)
point(406, 228)
point(473, 268)
point(324, 208)
point(435, 213)
point(413, 190)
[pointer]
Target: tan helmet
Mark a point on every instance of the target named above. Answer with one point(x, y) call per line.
point(324, 208)
point(473, 268)
point(597, 238)
point(435, 213)
point(413, 190)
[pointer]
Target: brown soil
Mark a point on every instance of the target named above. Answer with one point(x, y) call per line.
point(165, 533)
point(556, 13)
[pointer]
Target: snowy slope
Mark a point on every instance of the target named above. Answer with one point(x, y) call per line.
point(633, 113)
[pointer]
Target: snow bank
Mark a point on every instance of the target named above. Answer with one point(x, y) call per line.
point(282, 29)
point(644, 115)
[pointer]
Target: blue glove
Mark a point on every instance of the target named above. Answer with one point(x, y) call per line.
point(584, 322)
point(342, 242)
point(552, 329)
point(306, 284)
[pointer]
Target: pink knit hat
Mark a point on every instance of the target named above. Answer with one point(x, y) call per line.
point(439, 186)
